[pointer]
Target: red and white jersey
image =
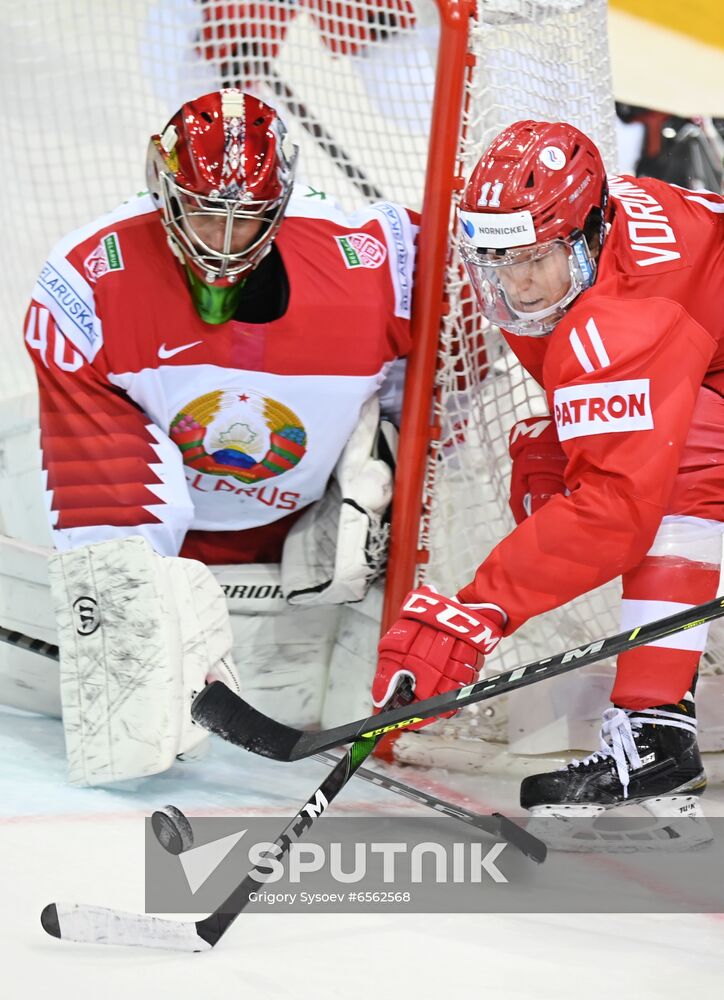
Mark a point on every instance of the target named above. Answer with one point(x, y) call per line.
point(154, 422)
point(623, 373)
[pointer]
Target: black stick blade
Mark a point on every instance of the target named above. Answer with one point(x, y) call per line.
point(224, 713)
point(49, 920)
point(526, 843)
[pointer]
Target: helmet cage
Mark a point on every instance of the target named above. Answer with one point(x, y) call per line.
point(494, 280)
point(179, 206)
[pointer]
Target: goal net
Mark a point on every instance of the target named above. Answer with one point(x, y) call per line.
point(379, 95)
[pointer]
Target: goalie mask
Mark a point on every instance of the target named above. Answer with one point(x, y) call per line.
point(532, 222)
point(221, 174)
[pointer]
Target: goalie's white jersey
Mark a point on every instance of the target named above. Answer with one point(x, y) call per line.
point(154, 422)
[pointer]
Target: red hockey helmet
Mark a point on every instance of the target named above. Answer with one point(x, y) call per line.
point(532, 222)
point(221, 174)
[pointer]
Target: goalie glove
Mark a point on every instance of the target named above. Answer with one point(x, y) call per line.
point(539, 463)
point(438, 643)
point(339, 544)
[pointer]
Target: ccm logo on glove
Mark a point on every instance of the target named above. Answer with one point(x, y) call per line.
point(452, 617)
point(439, 643)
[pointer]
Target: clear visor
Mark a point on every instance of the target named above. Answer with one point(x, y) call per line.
point(526, 291)
point(222, 237)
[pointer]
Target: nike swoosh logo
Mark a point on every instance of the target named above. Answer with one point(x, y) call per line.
point(168, 352)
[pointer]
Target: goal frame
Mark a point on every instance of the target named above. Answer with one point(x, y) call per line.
point(442, 180)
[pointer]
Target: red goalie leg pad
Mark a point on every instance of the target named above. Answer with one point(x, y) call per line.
point(662, 672)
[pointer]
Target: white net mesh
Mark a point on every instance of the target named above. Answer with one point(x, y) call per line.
point(541, 61)
point(87, 82)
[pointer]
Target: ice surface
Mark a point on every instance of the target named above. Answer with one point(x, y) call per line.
point(86, 845)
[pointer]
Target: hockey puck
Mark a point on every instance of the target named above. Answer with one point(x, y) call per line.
point(172, 830)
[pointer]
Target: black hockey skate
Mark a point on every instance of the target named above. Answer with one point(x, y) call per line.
point(647, 757)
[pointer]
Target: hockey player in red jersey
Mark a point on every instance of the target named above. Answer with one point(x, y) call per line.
point(609, 293)
point(206, 355)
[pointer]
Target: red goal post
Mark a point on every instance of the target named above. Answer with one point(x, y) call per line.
point(442, 180)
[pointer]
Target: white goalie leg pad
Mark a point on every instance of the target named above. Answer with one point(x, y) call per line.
point(282, 652)
point(138, 634)
point(27, 680)
point(339, 545)
point(252, 588)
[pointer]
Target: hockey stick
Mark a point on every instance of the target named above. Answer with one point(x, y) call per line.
point(38, 646)
point(324, 139)
point(247, 62)
point(496, 825)
point(224, 713)
point(174, 832)
point(99, 925)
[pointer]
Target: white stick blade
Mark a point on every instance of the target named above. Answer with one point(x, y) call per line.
point(99, 925)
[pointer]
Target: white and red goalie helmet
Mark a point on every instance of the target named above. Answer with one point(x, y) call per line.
point(224, 157)
point(532, 221)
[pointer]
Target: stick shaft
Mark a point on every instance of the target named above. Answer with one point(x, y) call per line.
point(211, 928)
point(227, 715)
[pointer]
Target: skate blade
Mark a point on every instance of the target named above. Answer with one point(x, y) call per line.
point(675, 823)
point(672, 806)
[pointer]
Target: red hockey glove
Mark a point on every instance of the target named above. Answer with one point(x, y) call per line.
point(437, 642)
point(538, 465)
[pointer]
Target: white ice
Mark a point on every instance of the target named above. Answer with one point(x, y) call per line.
point(86, 845)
